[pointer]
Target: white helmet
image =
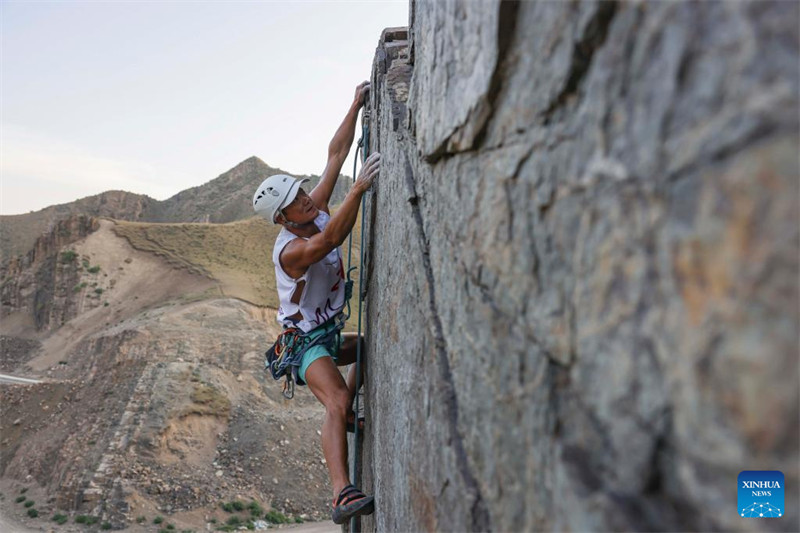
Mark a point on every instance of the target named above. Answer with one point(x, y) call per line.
point(275, 193)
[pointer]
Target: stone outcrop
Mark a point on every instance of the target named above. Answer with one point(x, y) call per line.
point(18, 233)
point(42, 282)
point(582, 307)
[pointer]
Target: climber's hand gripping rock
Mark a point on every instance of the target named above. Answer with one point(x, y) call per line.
point(361, 94)
point(370, 170)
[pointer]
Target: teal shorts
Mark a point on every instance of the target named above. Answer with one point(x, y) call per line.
point(315, 352)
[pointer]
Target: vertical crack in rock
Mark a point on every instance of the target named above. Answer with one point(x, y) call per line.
point(479, 511)
point(462, 139)
point(582, 53)
point(506, 27)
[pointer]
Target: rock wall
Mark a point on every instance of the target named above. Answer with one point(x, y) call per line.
point(582, 307)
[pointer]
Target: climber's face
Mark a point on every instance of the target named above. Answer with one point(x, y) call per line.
point(301, 210)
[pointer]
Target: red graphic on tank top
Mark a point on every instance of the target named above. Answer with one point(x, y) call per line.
point(341, 276)
point(323, 316)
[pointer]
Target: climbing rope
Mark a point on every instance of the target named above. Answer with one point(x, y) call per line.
point(363, 146)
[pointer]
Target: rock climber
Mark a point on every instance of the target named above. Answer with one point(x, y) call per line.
point(311, 287)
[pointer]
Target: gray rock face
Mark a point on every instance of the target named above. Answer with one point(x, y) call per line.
point(582, 307)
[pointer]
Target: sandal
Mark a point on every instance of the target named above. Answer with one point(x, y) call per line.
point(351, 502)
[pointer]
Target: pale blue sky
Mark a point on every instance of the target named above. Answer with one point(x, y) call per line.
point(157, 97)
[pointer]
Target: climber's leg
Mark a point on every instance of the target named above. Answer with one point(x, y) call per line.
point(327, 384)
point(347, 356)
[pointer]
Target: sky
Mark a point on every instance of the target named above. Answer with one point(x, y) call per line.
point(156, 97)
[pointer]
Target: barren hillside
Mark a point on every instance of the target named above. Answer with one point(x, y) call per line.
point(154, 400)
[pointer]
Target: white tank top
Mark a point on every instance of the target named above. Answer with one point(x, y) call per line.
point(323, 294)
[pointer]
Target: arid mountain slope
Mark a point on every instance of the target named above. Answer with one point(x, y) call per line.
point(238, 255)
point(18, 233)
point(155, 401)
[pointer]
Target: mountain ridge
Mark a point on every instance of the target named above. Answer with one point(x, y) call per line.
point(225, 198)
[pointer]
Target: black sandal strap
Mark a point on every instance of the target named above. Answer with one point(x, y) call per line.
point(349, 489)
point(353, 497)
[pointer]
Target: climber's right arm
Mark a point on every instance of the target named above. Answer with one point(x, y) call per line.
point(299, 254)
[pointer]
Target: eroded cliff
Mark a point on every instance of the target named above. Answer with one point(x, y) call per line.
point(583, 265)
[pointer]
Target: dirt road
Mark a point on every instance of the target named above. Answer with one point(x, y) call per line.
point(5, 378)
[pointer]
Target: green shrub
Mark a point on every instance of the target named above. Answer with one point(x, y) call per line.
point(234, 521)
point(98, 291)
point(60, 518)
point(93, 270)
point(255, 508)
point(276, 517)
point(105, 304)
point(158, 519)
point(23, 490)
point(33, 513)
point(170, 527)
point(86, 519)
point(239, 506)
point(298, 520)
point(30, 503)
point(21, 499)
point(227, 507)
point(68, 256)
point(81, 519)
point(106, 525)
point(250, 525)
point(140, 519)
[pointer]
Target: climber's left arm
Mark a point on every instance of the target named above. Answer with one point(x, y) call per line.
point(338, 149)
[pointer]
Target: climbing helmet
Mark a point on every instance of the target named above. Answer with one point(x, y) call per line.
point(275, 193)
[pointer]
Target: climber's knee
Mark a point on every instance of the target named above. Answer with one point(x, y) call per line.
point(339, 403)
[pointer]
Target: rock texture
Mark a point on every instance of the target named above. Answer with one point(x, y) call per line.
point(582, 307)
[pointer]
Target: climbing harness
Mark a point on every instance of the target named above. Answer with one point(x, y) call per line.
point(285, 356)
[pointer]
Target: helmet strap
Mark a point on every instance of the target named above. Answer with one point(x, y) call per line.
point(294, 225)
